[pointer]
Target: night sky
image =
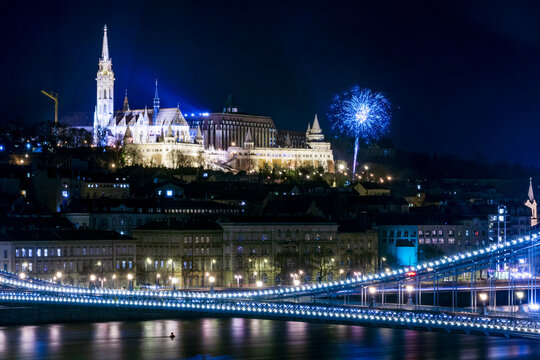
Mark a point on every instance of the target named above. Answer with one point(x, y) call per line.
point(463, 77)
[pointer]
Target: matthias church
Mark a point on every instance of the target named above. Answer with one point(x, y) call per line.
point(229, 140)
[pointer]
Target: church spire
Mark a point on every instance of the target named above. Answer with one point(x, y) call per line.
point(126, 103)
point(105, 48)
point(531, 193)
point(156, 101)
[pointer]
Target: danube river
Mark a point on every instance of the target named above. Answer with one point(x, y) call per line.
point(247, 339)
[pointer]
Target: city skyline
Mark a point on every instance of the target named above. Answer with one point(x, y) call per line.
point(451, 74)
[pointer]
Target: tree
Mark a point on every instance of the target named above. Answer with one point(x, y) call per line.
point(101, 135)
point(201, 160)
point(179, 160)
point(322, 262)
point(131, 155)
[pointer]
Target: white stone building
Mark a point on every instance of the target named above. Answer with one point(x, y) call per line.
point(233, 141)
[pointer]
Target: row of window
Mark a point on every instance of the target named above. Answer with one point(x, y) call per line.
point(70, 251)
point(108, 185)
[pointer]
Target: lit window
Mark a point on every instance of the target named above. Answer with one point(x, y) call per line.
point(65, 194)
point(169, 193)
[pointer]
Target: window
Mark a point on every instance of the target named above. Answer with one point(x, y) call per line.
point(5, 254)
point(45, 252)
point(38, 252)
point(58, 252)
point(23, 252)
point(441, 241)
point(420, 233)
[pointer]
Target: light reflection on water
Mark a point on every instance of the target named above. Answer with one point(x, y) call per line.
point(239, 338)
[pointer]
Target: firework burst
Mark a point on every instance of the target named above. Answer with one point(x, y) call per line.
point(361, 114)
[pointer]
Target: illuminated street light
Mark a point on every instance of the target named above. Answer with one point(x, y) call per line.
point(22, 276)
point(259, 283)
point(483, 297)
point(130, 281)
point(410, 289)
point(238, 277)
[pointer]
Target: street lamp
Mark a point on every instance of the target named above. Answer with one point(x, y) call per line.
point(372, 292)
point(130, 281)
point(100, 263)
point(171, 262)
point(113, 278)
point(259, 283)
point(146, 263)
point(59, 276)
point(22, 276)
point(158, 275)
point(409, 291)
point(341, 271)
point(520, 295)
point(211, 279)
point(238, 277)
point(483, 297)
point(174, 281)
point(92, 279)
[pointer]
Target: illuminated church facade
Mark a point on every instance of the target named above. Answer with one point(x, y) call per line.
point(229, 140)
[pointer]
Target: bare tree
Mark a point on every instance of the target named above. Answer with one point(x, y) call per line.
point(179, 160)
point(322, 263)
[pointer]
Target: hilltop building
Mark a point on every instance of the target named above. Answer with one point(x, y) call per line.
point(228, 141)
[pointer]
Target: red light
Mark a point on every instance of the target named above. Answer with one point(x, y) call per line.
point(411, 273)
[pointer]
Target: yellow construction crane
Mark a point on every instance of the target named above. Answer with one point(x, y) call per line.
point(53, 96)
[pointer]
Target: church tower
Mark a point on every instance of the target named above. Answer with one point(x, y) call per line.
point(105, 86)
point(531, 204)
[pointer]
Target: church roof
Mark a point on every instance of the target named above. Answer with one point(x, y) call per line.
point(164, 117)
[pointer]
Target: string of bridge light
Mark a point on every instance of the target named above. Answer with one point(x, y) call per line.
point(285, 291)
point(301, 312)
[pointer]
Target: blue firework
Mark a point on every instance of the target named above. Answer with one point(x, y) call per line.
point(361, 114)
